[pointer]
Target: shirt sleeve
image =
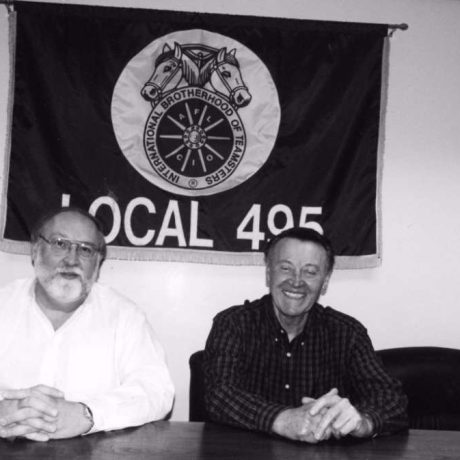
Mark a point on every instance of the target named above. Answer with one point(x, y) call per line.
point(226, 396)
point(373, 391)
point(145, 392)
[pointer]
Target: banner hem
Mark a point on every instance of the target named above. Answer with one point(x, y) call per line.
point(196, 256)
point(5, 168)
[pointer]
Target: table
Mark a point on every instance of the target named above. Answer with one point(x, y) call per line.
point(207, 441)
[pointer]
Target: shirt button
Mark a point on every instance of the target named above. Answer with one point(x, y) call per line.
point(302, 344)
point(288, 354)
point(276, 340)
point(287, 386)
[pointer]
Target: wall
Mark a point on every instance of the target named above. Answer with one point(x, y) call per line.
point(412, 299)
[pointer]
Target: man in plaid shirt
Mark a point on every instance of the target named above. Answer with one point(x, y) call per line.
point(283, 364)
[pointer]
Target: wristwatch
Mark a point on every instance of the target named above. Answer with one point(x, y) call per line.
point(88, 414)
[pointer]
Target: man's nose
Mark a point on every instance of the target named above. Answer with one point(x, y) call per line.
point(72, 255)
point(297, 277)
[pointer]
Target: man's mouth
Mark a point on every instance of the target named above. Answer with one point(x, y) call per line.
point(293, 295)
point(69, 275)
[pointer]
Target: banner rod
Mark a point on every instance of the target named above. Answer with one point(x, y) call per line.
point(394, 27)
point(403, 26)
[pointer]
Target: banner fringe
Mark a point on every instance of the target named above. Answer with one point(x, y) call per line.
point(5, 169)
point(381, 144)
point(196, 256)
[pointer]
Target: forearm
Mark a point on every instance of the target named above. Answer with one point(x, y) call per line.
point(230, 382)
point(143, 390)
point(131, 404)
point(381, 399)
point(376, 393)
point(386, 420)
point(228, 404)
point(365, 429)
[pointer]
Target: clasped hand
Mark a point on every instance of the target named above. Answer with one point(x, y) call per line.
point(39, 413)
point(318, 420)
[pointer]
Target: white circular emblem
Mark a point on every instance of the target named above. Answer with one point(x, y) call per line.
point(195, 112)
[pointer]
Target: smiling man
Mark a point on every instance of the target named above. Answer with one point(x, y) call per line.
point(75, 356)
point(285, 365)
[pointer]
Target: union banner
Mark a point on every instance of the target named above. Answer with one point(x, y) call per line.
point(194, 136)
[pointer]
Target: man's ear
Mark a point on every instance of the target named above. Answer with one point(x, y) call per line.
point(267, 275)
point(33, 252)
point(99, 265)
point(325, 284)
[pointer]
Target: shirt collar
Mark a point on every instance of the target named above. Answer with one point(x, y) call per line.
point(275, 325)
point(77, 313)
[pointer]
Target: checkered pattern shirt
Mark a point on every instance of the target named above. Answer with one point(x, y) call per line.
point(252, 372)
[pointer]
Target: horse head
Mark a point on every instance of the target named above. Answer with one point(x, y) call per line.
point(227, 80)
point(166, 76)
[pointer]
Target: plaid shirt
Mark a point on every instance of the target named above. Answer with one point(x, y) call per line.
point(252, 371)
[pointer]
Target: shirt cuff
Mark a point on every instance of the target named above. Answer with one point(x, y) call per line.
point(375, 419)
point(266, 416)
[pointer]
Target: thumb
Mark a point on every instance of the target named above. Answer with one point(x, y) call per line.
point(307, 400)
point(323, 401)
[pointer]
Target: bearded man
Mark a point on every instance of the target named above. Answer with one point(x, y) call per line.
point(76, 357)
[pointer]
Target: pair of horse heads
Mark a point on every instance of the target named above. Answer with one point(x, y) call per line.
point(174, 68)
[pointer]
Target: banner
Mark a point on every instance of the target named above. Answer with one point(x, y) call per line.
point(195, 137)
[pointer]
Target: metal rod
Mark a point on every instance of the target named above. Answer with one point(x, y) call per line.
point(402, 26)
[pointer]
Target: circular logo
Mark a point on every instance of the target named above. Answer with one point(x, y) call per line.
point(195, 113)
point(197, 150)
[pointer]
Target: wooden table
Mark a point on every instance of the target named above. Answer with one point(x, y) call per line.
point(199, 441)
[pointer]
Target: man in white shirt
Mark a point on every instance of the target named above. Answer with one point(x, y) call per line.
point(75, 357)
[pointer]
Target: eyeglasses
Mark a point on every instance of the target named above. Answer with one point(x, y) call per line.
point(63, 246)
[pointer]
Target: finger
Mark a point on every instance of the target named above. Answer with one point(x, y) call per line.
point(308, 437)
point(40, 425)
point(327, 433)
point(15, 394)
point(346, 414)
point(328, 399)
point(349, 426)
point(25, 392)
point(41, 437)
point(24, 416)
point(15, 431)
point(307, 400)
point(18, 416)
point(49, 391)
point(326, 421)
point(40, 403)
point(336, 434)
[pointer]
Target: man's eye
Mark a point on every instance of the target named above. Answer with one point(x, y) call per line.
point(60, 244)
point(86, 251)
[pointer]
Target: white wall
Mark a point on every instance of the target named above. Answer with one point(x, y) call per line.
point(412, 299)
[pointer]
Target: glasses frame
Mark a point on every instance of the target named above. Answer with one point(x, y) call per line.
point(68, 244)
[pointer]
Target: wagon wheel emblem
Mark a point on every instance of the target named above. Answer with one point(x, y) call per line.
point(194, 138)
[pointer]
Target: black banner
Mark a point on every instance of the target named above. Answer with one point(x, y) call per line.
point(195, 136)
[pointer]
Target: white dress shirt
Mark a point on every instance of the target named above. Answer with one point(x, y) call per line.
point(105, 355)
